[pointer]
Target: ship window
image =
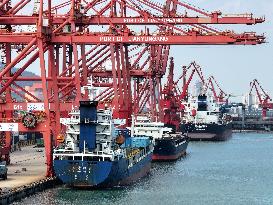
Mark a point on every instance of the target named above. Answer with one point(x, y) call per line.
point(87, 158)
point(96, 159)
point(107, 159)
point(77, 158)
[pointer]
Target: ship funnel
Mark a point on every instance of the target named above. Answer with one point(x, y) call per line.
point(88, 123)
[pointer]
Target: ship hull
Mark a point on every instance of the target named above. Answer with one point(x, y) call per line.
point(90, 174)
point(208, 132)
point(170, 149)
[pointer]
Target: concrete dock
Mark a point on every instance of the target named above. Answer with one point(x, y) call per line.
point(30, 159)
point(26, 175)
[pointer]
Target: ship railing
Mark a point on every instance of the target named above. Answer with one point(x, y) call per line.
point(83, 156)
point(73, 120)
point(102, 152)
point(104, 122)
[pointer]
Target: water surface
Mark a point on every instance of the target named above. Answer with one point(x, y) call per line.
point(238, 171)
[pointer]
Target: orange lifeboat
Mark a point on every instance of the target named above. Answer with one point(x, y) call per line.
point(60, 138)
point(120, 140)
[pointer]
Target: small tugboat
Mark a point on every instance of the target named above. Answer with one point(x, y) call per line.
point(94, 153)
point(168, 145)
point(204, 122)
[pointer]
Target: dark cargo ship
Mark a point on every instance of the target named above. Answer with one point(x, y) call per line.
point(96, 154)
point(168, 145)
point(170, 148)
point(208, 132)
point(204, 121)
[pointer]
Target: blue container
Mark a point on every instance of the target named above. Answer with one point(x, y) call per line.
point(125, 132)
point(137, 142)
point(16, 139)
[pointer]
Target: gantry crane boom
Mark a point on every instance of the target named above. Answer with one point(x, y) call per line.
point(140, 17)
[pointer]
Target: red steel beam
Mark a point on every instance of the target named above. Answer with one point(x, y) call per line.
point(162, 40)
point(104, 20)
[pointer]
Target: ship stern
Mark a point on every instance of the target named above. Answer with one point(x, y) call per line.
point(82, 174)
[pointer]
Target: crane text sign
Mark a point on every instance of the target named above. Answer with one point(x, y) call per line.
point(190, 39)
point(35, 107)
point(9, 127)
point(134, 39)
point(29, 106)
point(152, 21)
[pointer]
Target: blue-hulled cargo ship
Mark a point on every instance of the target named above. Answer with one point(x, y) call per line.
point(97, 154)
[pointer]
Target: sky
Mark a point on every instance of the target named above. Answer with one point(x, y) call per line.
point(235, 66)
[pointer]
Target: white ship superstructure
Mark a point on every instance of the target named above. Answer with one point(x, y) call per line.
point(209, 113)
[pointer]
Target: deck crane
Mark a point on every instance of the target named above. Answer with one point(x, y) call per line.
point(265, 100)
point(70, 41)
point(195, 69)
point(212, 84)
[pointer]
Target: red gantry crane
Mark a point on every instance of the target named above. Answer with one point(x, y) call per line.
point(173, 97)
point(265, 101)
point(67, 42)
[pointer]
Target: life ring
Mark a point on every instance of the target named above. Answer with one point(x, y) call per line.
point(29, 121)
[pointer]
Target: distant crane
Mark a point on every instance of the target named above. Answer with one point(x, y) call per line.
point(263, 96)
point(195, 69)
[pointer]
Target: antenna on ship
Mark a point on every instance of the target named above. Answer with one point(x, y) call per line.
point(133, 126)
point(90, 90)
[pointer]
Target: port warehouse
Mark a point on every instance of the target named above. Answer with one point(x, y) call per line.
point(252, 120)
point(133, 82)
